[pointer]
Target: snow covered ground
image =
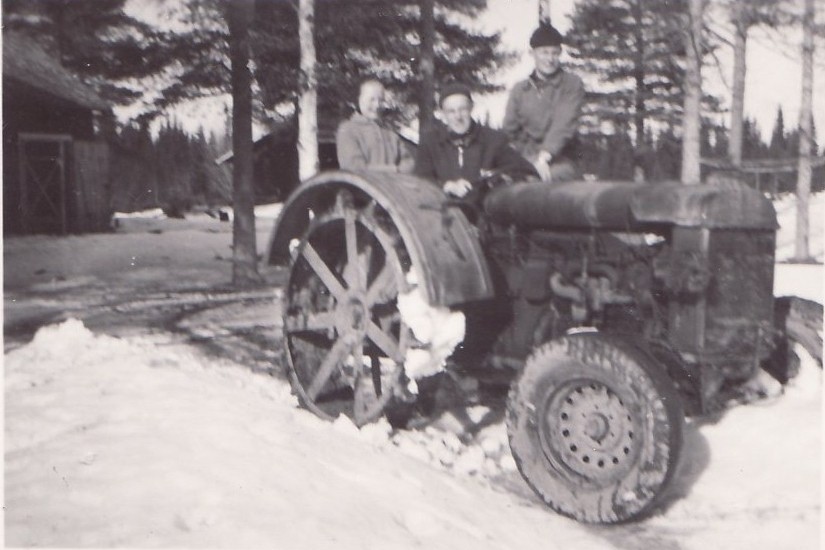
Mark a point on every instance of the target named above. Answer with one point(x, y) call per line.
point(145, 441)
point(134, 442)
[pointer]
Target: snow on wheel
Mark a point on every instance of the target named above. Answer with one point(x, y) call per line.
point(345, 338)
point(595, 428)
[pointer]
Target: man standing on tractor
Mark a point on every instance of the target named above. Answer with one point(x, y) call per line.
point(461, 153)
point(542, 113)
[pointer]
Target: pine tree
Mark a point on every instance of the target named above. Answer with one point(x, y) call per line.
point(753, 147)
point(134, 178)
point(778, 147)
point(352, 43)
point(239, 16)
point(426, 101)
point(668, 162)
point(633, 48)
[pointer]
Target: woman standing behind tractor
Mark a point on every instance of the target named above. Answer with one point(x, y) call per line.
point(365, 142)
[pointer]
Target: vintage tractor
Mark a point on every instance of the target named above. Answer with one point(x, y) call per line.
point(611, 309)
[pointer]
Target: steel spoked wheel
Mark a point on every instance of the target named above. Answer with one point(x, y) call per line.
point(595, 428)
point(345, 338)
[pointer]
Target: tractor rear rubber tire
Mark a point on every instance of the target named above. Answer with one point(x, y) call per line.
point(595, 428)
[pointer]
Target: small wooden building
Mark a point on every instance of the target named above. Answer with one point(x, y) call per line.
point(55, 167)
point(275, 159)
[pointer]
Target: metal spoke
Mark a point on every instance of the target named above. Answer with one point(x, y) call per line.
point(384, 281)
point(353, 262)
point(375, 371)
point(323, 271)
point(358, 356)
point(330, 362)
point(384, 341)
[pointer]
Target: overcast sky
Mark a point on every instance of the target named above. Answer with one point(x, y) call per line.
point(773, 79)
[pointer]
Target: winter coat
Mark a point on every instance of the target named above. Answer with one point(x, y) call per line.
point(543, 115)
point(442, 158)
point(364, 144)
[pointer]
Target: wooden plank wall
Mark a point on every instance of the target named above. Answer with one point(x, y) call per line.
point(92, 186)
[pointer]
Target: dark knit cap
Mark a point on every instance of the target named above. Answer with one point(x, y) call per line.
point(453, 88)
point(545, 35)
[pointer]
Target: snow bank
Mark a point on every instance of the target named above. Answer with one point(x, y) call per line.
point(266, 213)
point(130, 443)
point(151, 214)
point(754, 475)
point(803, 280)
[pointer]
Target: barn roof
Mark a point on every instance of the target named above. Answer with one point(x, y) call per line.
point(25, 61)
point(284, 132)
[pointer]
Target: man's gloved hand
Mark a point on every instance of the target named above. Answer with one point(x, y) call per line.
point(457, 188)
point(542, 165)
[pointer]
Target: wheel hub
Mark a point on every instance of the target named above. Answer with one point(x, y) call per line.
point(596, 427)
point(352, 315)
point(589, 430)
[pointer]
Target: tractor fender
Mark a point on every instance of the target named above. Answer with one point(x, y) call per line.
point(446, 256)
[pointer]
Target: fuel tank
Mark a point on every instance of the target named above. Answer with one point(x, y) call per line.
point(628, 206)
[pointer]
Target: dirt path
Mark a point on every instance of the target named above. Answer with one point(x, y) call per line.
point(241, 324)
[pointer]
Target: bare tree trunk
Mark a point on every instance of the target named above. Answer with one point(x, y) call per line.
point(308, 100)
point(544, 12)
point(244, 251)
point(737, 110)
point(691, 123)
point(639, 74)
point(803, 183)
point(426, 103)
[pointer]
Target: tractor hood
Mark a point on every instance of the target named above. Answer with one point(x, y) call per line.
point(627, 206)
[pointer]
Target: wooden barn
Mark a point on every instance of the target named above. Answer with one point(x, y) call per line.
point(55, 166)
point(275, 168)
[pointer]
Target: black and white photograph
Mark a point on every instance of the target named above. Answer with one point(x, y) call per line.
point(400, 274)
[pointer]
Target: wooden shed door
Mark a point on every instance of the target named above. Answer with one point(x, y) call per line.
point(90, 187)
point(44, 176)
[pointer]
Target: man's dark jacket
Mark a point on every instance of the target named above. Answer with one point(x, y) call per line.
point(443, 156)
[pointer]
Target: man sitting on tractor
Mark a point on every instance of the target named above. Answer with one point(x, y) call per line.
point(462, 154)
point(542, 112)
